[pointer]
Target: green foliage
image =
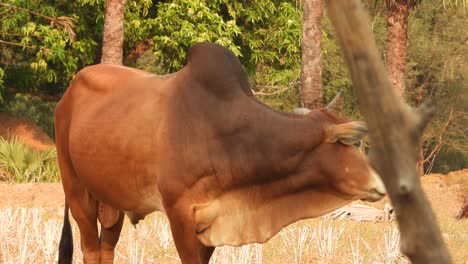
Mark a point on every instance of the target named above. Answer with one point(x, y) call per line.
point(335, 76)
point(182, 23)
point(33, 108)
point(265, 34)
point(278, 89)
point(41, 48)
point(436, 36)
point(437, 68)
point(271, 31)
point(139, 17)
point(2, 75)
point(44, 43)
point(25, 165)
point(449, 160)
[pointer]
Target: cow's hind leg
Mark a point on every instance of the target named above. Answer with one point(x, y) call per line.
point(109, 238)
point(83, 207)
point(84, 210)
point(190, 249)
point(82, 204)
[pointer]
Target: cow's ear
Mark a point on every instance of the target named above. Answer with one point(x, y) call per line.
point(301, 111)
point(336, 105)
point(348, 133)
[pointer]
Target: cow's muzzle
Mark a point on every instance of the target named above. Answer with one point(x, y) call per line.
point(377, 189)
point(374, 195)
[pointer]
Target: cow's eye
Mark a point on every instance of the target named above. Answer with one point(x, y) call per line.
point(358, 144)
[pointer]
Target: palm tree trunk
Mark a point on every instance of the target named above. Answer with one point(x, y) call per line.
point(113, 35)
point(397, 30)
point(311, 74)
point(397, 36)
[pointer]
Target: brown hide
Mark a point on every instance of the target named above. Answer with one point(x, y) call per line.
point(107, 215)
point(197, 145)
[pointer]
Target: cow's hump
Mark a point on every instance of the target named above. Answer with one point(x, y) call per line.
point(218, 69)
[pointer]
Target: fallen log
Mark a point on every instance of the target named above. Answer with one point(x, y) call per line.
point(361, 213)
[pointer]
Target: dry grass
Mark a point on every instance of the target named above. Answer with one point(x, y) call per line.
point(31, 235)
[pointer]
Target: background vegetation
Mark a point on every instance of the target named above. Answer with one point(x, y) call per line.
point(44, 43)
point(21, 164)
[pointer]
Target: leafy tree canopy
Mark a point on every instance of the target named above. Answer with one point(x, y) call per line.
point(44, 43)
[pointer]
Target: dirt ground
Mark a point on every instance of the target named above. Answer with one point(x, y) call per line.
point(32, 135)
point(31, 195)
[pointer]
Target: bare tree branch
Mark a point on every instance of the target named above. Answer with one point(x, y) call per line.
point(13, 7)
point(277, 89)
point(272, 93)
point(6, 11)
point(65, 22)
point(16, 44)
point(6, 17)
point(395, 130)
point(439, 141)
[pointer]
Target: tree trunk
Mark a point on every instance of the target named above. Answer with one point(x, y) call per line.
point(311, 72)
point(420, 163)
point(139, 49)
point(395, 131)
point(397, 30)
point(397, 38)
point(113, 35)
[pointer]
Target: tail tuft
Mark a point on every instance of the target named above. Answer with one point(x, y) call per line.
point(66, 240)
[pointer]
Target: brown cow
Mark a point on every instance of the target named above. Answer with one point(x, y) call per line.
point(198, 146)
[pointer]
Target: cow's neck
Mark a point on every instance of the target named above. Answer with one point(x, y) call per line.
point(275, 145)
point(240, 140)
point(272, 180)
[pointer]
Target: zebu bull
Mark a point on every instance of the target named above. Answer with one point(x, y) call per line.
point(198, 146)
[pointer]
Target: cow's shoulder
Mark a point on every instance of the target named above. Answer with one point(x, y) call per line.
point(218, 69)
point(111, 70)
point(108, 77)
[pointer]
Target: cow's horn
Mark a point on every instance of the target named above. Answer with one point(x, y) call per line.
point(301, 111)
point(336, 105)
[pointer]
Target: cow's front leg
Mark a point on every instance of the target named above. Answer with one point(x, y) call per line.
point(190, 249)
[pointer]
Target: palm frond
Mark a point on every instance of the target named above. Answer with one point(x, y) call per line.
point(27, 165)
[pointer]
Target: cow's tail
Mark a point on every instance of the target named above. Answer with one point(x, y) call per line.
point(66, 240)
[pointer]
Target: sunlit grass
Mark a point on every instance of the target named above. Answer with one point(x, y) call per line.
point(31, 235)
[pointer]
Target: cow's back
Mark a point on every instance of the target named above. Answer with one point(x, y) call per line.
point(107, 121)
